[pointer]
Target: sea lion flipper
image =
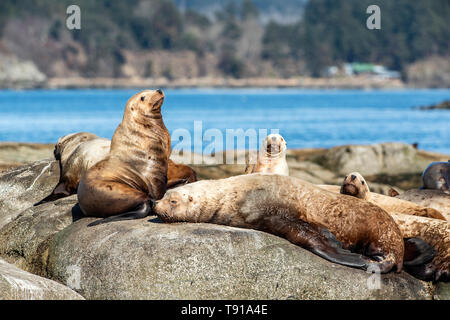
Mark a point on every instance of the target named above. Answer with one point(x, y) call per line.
point(417, 252)
point(322, 242)
point(57, 193)
point(140, 212)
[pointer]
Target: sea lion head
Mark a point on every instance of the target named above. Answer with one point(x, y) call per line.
point(68, 143)
point(145, 104)
point(180, 204)
point(355, 185)
point(274, 145)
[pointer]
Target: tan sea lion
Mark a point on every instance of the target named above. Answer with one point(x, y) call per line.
point(355, 185)
point(436, 233)
point(435, 199)
point(271, 157)
point(134, 174)
point(437, 177)
point(78, 152)
point(318, 220)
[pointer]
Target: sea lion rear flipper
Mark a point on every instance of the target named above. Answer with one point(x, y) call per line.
point(142, 211)
point(417, 252)
point(323, 243)
point(57, 193)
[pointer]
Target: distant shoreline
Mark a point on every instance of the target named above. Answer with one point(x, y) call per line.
point(356, 82)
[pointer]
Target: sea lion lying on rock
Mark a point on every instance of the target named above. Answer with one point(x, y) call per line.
point(134, 174)
point(271, 157)
point(434, 232)
point(78, 152)
point(323, 222)
point(355, 185)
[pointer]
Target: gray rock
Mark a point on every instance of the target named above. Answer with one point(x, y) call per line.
point(150, 260)
point(16, 284)
point(389, 158)
point(24, 241)
point(22, 187)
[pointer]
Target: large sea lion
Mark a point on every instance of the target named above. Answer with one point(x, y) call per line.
point(435, 199)
point(78, 152)
point(434, 232)
point(355, 185)
point(437, 177)
point(271, 157)
point(134, 174)
point(323, 222)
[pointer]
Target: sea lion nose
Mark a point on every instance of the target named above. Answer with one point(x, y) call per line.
point(159, 91)
point(353, 177)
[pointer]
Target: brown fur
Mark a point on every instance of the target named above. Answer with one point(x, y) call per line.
point(359, 188)
point(135, 171)
point(179, 174)
point(278, 204)
point(434, 232)
point(271, 157)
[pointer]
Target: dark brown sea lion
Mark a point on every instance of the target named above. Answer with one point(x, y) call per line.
point(134, 174)
point(437, 177)
point(323, 222)
point(271, 157)
point(424, 262)
point(78, 152)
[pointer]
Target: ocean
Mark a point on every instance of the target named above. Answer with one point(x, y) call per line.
point(306, 118)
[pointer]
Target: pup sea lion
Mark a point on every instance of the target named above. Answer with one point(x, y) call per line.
point(134, 174)
point(323, 222)
point(437, 177)
point(434, 232)
point(271, 157)
point(76, 153)
point(435, 199)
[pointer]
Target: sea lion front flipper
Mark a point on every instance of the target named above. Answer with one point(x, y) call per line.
point(175, 183)
point(57, 193)
point(142, 211)
point(323, 243)
point(417, 252)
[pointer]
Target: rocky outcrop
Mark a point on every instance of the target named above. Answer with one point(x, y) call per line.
point(445, 105)
point(150, 260)
point(18, 73)
point(16, 284)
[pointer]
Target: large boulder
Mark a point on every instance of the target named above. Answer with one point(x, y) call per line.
point(147, 259)
point(22, 187)
point(16, 284)
point(388, 158)
point(24, 241)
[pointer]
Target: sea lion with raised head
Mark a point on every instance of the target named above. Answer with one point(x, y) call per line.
point(323, 222)
point(437, 177)
point(355, 185)
point(78, 152)
point(134, 174)
point(424, 262)
point(271, 157)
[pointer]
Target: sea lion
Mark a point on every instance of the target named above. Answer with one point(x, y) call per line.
point(424, 263)
point(355, 185)
point(323, 222)
point(437, 177)
point(271, 157)
point(435, 199)
point(134, 174)
point(78, 152)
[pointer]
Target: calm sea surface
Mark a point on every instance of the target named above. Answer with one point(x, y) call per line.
point(306, 118)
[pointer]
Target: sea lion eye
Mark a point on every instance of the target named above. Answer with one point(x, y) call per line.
point(363, 182)
point(174, 202)
point(142, 98)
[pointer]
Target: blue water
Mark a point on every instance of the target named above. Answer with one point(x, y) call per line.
point(306, 118)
